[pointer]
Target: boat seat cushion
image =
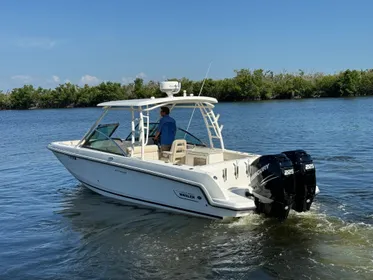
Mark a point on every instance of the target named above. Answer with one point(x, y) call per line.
point(147, 149)
point(150, 151)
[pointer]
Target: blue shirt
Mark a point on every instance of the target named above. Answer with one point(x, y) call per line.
point(167, 128)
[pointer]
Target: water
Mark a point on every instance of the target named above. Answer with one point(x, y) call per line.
point(53, 228)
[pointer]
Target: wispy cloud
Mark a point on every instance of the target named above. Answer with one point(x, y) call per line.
point(56, 79)
point(128, 80)
point(89, 80)
point(141, 75)
point(36, 81)
point(36, 42)
point(25, 79)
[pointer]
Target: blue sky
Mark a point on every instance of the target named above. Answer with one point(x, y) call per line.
point(45, 42)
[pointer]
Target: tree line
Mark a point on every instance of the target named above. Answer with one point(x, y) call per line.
point(246, 85)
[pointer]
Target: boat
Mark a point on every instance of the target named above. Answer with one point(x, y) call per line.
point(193, 178)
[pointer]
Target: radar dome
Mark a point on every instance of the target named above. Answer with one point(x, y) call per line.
point(170, 87)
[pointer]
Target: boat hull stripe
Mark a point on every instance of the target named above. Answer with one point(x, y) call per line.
point(151, 202)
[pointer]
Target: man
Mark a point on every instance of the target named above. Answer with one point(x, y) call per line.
point(166, 129)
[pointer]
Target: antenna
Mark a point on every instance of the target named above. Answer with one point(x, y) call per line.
point(200, 91)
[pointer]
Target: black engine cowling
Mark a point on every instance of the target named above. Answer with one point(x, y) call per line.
point(305, 179)
point(273, 183)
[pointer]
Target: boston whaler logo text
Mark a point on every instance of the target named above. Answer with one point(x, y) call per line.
point(185, 195)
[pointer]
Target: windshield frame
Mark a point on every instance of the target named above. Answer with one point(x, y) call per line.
point(140, 116)
point(153, 128)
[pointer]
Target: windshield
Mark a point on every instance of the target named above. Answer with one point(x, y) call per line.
point(101, 139)
point(180, 134)
point(102, 132)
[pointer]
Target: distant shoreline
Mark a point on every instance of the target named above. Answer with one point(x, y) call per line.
point(246, 86)
point(220, 102)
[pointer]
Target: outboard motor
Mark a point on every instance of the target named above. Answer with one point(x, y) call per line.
point(305, 179)
point(272, 180)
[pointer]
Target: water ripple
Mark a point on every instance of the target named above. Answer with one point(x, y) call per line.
point(53, 228)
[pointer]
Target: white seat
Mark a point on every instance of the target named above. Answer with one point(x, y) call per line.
point(150, 151)
point(177, 153)
point(147, 149)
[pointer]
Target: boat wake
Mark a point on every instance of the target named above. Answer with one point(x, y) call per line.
point(309, 245)
point(330, 243)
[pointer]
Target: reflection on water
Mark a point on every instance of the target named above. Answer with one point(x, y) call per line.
point(162, 245)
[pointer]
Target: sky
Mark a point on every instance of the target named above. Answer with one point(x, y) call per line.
point(46, 43)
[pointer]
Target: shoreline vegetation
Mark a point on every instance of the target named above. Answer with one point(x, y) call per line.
point(246, 85)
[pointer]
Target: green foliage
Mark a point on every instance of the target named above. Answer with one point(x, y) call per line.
point(21, 98)
point(246, 85)
point(4, 101)
point(348, 83)
point(366, 83)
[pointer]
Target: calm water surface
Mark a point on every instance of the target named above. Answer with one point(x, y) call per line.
point(53, 228)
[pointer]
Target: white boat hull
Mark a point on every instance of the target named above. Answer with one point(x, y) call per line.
point(150, 190)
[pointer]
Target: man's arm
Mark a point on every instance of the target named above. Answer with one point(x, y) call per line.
point(156, 135)
point(158, 129)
